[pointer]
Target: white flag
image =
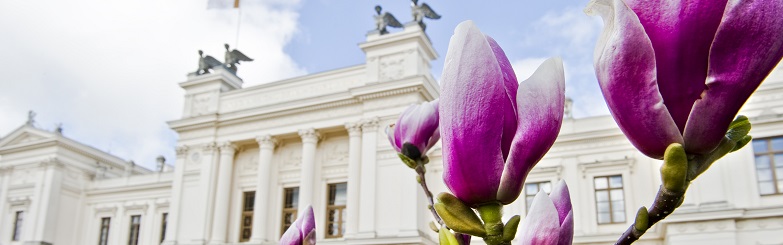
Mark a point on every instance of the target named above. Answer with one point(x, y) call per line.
point(222, 4)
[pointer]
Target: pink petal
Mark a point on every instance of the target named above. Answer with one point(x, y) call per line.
point(625, 67)
point(562, 199)
point(541, 226)
point(747, 46)
point(540, 103)
point(681, 33)
point(471, 116)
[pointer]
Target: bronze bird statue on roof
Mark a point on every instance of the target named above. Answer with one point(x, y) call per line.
point(421, 11)
point(382, 20)
point(233, 57)
point(205, 63)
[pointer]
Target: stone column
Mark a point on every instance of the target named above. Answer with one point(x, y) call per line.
point(354, 173)
point(266, 146)
point(223, 193)
point(368, 177)
point(5, 176)
point(310, 139)
point(176, 194)
point(206, 187)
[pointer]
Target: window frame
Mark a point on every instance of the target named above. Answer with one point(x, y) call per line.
point(105, 222)
point(18, 225)
point(341, 209)
point(770, 153)
point(609, 190)
point(247, 211)
point(134, 240)
point(164, 222)
point(293, 210)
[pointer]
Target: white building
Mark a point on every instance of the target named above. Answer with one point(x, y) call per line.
point(249, 158)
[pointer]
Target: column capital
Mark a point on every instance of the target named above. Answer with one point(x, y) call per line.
point(209, 147)
point(354, 128)
point(370, 124)
point(309, 135)
point(227, 148)
point(182, 150)
point(266, 141)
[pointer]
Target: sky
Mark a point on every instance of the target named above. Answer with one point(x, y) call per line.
point(109, 70)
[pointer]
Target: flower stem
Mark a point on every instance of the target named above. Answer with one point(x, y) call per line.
point(421, 170)
point(492, 215)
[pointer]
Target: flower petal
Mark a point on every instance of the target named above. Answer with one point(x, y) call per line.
point(540, 103)
point(567, 230)
point(681, 33)
point(510, 85)
point(417, 124)
point(308, 221)
point(292, 236)
point(393, 140)
point(562, 199)
point(625, 67)
point(747, 46)
point(471, 116)
point(541, 226)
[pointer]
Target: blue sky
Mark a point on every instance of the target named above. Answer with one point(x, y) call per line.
point(109, 70)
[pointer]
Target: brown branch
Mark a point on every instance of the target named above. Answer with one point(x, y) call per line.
point(421, 170)
point(665, 203)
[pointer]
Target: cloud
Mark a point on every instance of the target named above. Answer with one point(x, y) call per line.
point(570, 34)
point(108, 70)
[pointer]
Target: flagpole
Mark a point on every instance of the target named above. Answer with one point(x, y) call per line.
point(239, 23)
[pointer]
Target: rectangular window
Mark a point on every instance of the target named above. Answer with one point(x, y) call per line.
point(769, 165)
point(103, 239)
point(135, 225)
point(18, 226)
point(246, 227)
point(531, 189)
point(290, 203)
point(163, 222)
point(335, 210)
point(609, 199)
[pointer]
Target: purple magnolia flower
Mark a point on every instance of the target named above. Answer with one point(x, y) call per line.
point(493, 129)
point(679, 71)
point(550, 220)
point(302, 231)
point(416, 130)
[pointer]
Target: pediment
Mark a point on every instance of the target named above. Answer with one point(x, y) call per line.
point(23, 135)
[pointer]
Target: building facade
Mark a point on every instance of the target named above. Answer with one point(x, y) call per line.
point(248, 159)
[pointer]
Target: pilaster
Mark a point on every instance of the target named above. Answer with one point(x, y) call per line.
point(223, 193)
point(266, 145)
point(172, 229)
point(368, 177)
point(354, 174)
point(310, 139)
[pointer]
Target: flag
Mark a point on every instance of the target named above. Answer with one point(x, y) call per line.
point(222, 4)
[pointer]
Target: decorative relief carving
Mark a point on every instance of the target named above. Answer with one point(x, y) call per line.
point(392, 67)
point(247, 162)
point(291, 156)
point(201, 103)
point(335, 152)
point(21, 177)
